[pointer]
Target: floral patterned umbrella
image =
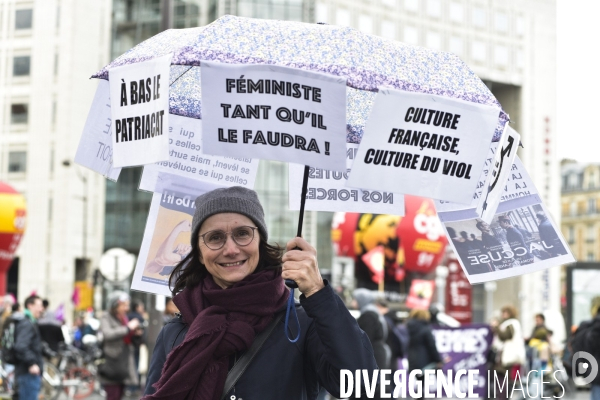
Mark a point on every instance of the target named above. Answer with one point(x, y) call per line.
point(367, 61)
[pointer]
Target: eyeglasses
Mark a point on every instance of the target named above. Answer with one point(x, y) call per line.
point(242, 236)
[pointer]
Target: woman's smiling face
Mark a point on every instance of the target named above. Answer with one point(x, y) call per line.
point(232, 262)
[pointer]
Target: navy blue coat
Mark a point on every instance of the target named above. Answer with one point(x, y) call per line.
point(330, 340)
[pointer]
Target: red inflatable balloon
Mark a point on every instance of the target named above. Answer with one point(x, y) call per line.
point(422, 237)
point(415, 242)
point(12, 225)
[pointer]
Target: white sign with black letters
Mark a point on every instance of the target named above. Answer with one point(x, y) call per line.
point(276, 113)
point(496, 180)
point(327, 191)
point(95, 145)
point(188, 164)
point(139, 96)
point(424, 145)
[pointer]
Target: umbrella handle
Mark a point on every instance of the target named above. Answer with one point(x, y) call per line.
point(288, 282)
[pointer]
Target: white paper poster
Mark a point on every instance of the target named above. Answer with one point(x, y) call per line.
point(139, 98)
point(424, 145)
point(275, 113)
point(95, 145)
point(166, 239)
point(501, 168)
point(517, 242)
point(188, 164)
point(515, 192)
point(327, 191)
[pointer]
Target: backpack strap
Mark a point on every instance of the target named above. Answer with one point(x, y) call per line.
point(240, 366)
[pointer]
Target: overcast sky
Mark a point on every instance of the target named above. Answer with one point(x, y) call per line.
point(578, 105)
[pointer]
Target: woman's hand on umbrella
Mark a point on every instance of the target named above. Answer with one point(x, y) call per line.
point(300, 265)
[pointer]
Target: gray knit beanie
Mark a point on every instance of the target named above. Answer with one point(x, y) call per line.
point(235, 199)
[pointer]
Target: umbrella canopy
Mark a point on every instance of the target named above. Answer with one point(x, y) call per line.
point(367, 61)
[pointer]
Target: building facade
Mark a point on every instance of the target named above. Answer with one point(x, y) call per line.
point(580, 200)
point(48, 50)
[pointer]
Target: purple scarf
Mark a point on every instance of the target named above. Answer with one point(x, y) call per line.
point(223, 322)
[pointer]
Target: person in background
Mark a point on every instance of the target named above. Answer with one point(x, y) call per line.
point(372, 322)
point(81, 328)
point(50, 328)
point(119, 333)
point(509, 333)
point(170, 312)
point(422, 351)
point(28, 349)
point(138, 312)
point(587, 338)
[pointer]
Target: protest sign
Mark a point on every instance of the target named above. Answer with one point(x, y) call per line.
point(458, 293)
point(501, 167)
point(424, 145)
point(465, 348)
point(188, 164)
point(518, 241)
point(166, 239)
point(327, 191)
point(276, 113)
point(420, 294)
point(515, 191)
point(139, 99)
point(95, 145)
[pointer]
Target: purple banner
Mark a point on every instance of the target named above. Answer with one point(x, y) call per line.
point(465, 348)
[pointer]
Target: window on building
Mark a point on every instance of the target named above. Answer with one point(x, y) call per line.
point(322, 13)
point(388, 30)
point(365, 24)
point(434, 8)
point(590, 256)
point(411, 35)
point(342, 17)
point(573, 180)
point(186, 14)
point(19, 114)
point(21, 65)
point(433, 41)
point(591, 206)
point(571, 234)
point(411, 5)
point(501, 22)
point(456, 46)
point(23, 19)
point(478, 51)
point(457, 13)
point(501, 55)
point(573, 207)
point(389, 3)
point(479, 17)
point(591, 233)
point(17, 161)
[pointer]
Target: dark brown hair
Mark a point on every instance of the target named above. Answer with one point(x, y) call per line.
point(189, 272)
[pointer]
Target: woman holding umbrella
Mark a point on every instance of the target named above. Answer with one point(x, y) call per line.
point(229, 290)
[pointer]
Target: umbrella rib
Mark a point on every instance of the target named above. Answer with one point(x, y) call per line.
point(176, 79)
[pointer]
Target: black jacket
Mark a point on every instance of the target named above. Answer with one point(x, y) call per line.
point(330, 340)
point(28, 345)
point(422, 350)
point(587, 338)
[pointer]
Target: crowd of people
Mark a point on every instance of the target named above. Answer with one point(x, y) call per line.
point(229, 298)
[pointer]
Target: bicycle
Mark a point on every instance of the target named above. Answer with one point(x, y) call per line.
point(73, 374)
